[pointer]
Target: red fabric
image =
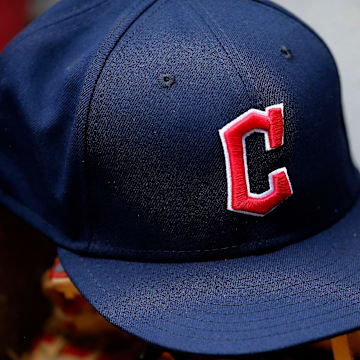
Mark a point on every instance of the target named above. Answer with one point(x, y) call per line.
point(75, 351)
point(13, 17)
point(54, 274)
point(272, 123)
point(44, 339)
point(74, 306)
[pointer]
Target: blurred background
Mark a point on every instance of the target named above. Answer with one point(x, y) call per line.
point(337, 22)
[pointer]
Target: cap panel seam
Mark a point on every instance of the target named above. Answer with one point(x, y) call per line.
point(88, 89)
point(133, 15)
point(291, 16)
point(193, 14)
point(217, 32)
point(299, 23)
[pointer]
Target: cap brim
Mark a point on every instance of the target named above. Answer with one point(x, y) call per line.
point(301, 293)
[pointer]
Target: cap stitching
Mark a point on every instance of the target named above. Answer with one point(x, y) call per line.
point(264, 319)
point(288, 268)
point(142, 320)
point(268, 283)
point(242, 339)
point(235, 305)
point(253, 99)
point(196, 20)
point(88, 108)
point(182, 315)
point(260, 327)
point(151, 325)
point(86, 147)
point(274, 291)
point(252, 304)
point(333, 222)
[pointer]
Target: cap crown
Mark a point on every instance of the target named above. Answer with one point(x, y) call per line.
point(122, 163)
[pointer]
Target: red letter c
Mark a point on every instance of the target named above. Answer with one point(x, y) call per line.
point(271, 123)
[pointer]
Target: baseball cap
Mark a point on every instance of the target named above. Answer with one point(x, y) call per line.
point(189, 158)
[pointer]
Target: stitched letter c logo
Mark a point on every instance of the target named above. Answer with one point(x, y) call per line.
point(271, 123)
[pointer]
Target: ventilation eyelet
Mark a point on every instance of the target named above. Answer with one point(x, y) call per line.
point(166, 80)
point(286, 52)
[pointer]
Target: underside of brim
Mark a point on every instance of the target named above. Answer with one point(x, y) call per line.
point(303, 292)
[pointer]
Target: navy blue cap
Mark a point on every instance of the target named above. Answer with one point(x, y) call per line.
point(189, 158)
